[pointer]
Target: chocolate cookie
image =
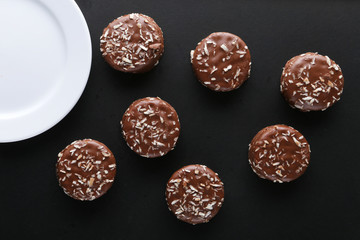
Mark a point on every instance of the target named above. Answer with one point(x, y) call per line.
point(221, 61)
point(132, 43)
point(311, 82)
point(195, 194)
point(151, 127)
point(86, 169)
point(279, 153)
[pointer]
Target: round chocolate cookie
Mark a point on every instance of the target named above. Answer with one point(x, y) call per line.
point(86, 169)
point(132, 43)
point(151, 127)
point(311, 82)
point(221, 61)
point(279, 153)
point(194, 194)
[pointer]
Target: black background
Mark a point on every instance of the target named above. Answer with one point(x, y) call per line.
point(216, 130)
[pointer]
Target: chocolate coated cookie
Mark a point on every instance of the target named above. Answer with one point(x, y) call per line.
point(132, 43)
point(195, 194)
point(311, 82)
point(221, 61)
point(86, 169)
point(279, 153)
point(151, 127)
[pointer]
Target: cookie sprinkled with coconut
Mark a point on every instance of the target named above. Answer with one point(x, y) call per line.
point(279, 153)
point(151, 127)
point(86, 169)
point(221, 61)
point(132, 43)
point(311, 82)
point(195, 194)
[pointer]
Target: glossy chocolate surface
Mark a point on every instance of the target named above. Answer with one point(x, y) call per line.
point(279, 153)
point(221, 61)
point(311, 82)
point(132, 43)
point(86, 169)
point(195, 194)
point(151, 127)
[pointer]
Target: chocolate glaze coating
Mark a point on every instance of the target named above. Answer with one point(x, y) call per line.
point(132, 43)
point(86, 169)
point(311, 82)
point(194, 194)
point(279, 153)
point(221, 61)
point(151, 127)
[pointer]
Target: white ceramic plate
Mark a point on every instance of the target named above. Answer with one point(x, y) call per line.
point(45, 60)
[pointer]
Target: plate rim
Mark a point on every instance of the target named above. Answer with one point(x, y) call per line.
point(57, 9)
